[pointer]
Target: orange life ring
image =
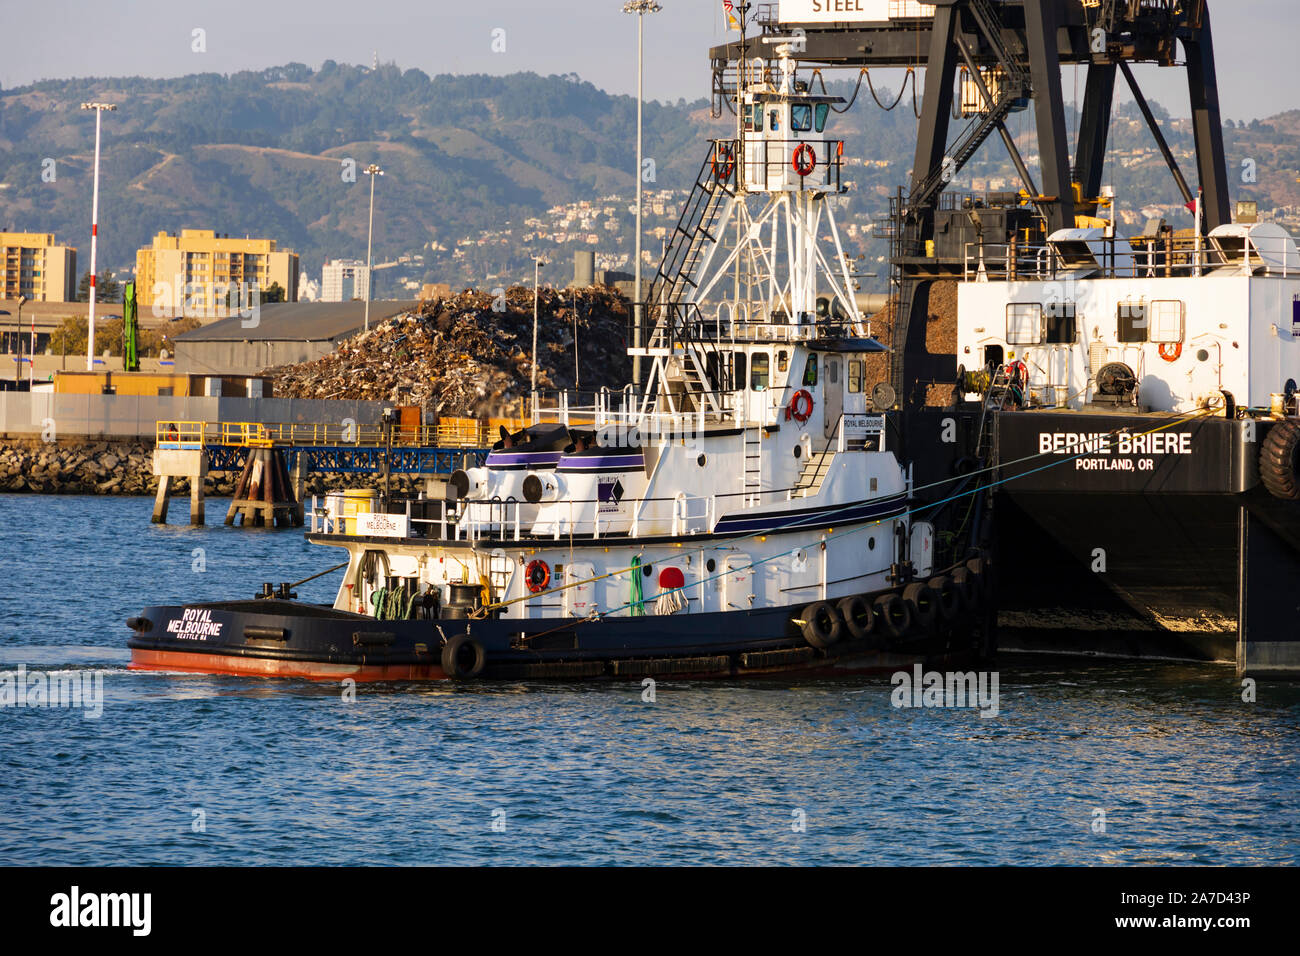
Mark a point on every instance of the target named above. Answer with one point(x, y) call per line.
point(538, 576)
point(805, 159)
point(724, 161)
point(800, 407)
point(1171, 351)
point(1017, 374)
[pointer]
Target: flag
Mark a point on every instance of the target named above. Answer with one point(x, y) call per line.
point(730, 8)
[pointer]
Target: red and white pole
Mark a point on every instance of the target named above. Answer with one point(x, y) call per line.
point(94, 235)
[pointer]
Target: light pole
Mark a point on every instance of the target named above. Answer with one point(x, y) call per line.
point(640, 8)
point(94, 233)
point(31, 354)
point(537, 274)
point(373, 172)
point(18, 342)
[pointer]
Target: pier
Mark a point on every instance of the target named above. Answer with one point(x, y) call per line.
point(275, 459)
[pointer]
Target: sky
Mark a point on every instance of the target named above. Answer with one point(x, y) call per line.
point(1259, 71)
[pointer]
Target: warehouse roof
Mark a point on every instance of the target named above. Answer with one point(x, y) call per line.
point(298, 322)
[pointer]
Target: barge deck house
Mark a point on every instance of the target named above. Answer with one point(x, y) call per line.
point(1144, 397)
point(742, 514)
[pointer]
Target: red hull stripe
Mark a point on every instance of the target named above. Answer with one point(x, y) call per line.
point(147, 660)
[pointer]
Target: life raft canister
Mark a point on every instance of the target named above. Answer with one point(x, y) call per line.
point(538, 576)
point(805, 159)
point(800, 407)
point(1171, 351)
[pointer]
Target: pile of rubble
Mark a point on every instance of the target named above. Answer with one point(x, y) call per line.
point(471, 354)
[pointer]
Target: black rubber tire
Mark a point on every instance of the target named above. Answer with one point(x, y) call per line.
point(966, 583)
point(822, 626)
point(893, 617)
point(859, 619)
point(949, 596)
point(924, 604)
point(1279, 460)
point(463, 658)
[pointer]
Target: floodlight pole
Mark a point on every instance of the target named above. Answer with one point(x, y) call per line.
point(373, 172)
point(94, 234)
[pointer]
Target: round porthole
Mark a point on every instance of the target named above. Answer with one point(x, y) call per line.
point(871, 544)
point(798, 451)
point(648, 570)
point(1203, 355)
point(711, 565)
point(700, 461)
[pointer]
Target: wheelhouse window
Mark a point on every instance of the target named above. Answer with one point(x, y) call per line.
point(810, 371)
point(1167, 321)
point(1061, 324)
point(823, 110)
point(857, 375)
point(1132, 322)
point(739, 365)
point(1024, 323)
point(754, 118)
point(759, 372)
point(782, 360)
point(801, 117)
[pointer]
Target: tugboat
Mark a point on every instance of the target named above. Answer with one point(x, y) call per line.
point(742, 514)
point(1143, 404)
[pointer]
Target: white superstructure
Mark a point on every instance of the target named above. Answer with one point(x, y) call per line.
point(1211, 323)
point(752, 471)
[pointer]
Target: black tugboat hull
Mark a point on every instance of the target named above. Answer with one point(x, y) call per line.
point(275, 638)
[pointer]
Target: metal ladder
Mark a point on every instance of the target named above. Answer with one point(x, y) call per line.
point(753, 478)
point(684, 252)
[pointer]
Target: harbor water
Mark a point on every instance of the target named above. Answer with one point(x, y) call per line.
point(1083, 764)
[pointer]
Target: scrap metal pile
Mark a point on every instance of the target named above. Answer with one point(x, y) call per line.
point(470, 354)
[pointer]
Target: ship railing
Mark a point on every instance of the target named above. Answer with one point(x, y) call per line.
point(1137, 257)
point(477, 522)
point(748, 322)
point(772, 170)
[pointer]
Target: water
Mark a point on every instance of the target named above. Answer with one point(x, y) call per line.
point(285, 772)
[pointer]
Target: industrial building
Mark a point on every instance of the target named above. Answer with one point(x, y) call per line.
point(195, 272)
point(33, 265)
point(280, 334)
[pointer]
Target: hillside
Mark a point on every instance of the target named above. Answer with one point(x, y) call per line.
point(475, 165)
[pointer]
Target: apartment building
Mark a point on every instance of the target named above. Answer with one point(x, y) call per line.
point(34, 265)
point(343, 280)
point(195, 272)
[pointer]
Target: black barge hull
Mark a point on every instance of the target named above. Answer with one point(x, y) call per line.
point(1160, 548)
